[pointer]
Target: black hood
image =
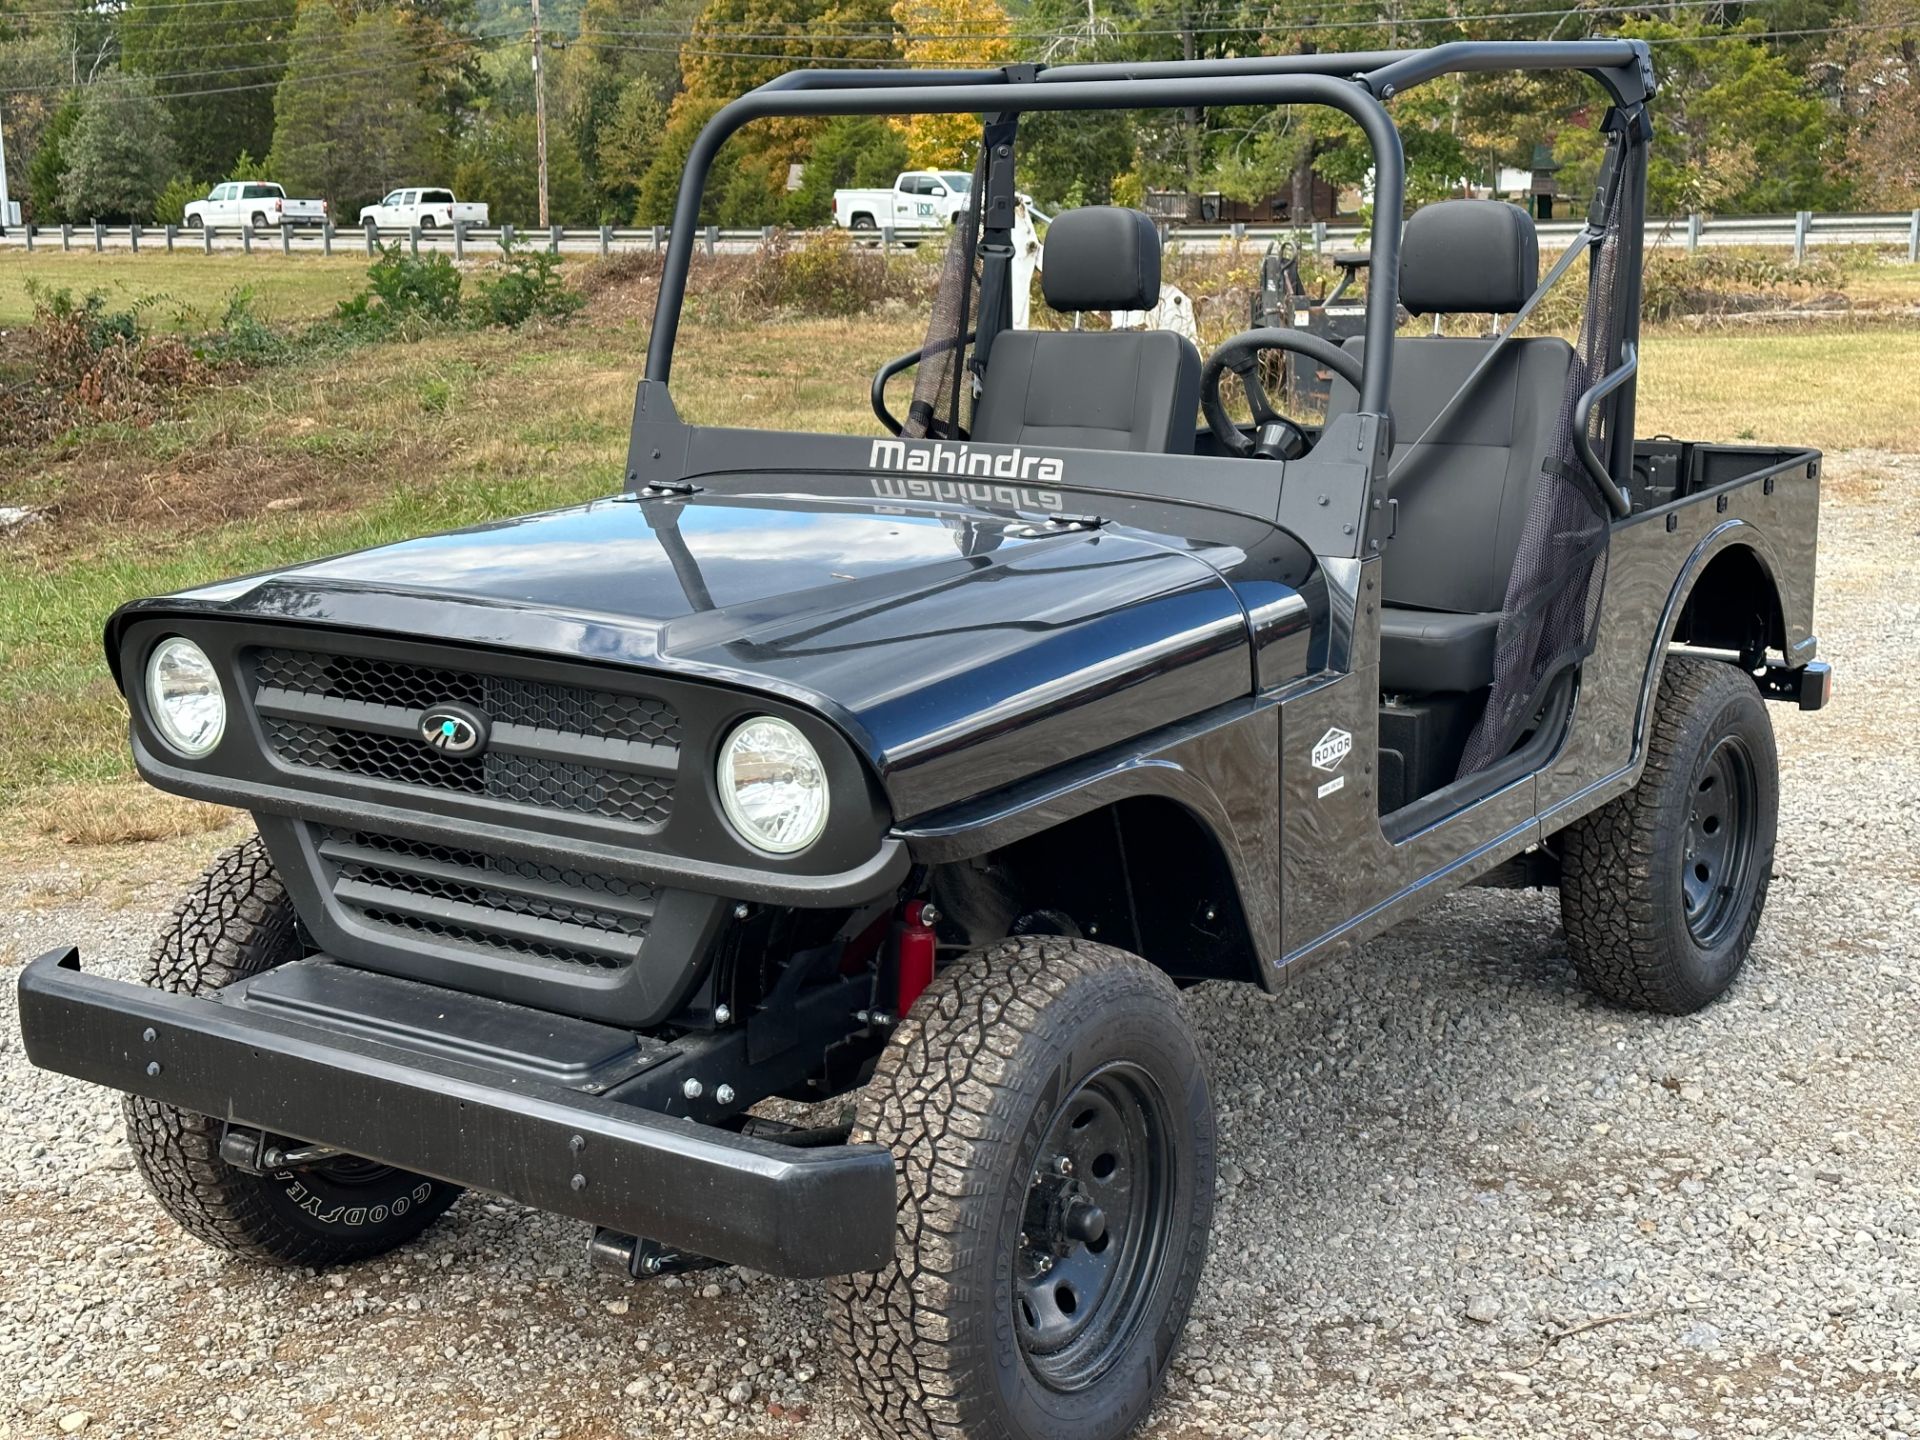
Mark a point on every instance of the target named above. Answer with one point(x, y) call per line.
point(921, 628)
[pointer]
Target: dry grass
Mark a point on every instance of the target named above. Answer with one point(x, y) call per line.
point(118, 813)
point(1836, 389)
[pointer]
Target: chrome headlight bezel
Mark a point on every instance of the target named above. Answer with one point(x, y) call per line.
point(778, 742)
point(170, 660)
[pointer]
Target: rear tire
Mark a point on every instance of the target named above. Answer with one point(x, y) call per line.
point(259, 221)
point(238, 922)
point(1661, 890)
point(1029, 1297)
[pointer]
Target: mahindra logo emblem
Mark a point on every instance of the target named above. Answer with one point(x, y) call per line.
point(454, 730)
point(977, 477)
point(1331, 749)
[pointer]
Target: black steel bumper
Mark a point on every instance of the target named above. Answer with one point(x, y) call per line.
point(752, 1202)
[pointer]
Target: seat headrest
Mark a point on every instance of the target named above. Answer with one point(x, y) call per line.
point(1101, 257)
point(1467, 256)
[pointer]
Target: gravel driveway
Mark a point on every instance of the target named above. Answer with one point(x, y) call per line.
point(1459, 1197)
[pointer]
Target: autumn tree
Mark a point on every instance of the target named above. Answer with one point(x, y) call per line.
point(748, 185)
point(949, 35)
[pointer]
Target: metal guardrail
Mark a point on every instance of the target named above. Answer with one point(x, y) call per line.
point(1800, 232)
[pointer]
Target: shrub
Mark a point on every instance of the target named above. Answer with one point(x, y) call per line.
point(528, 286)
point(242, 337)
point(401, 288)
point(171, 207)
point(94, 361)
point(830, 275)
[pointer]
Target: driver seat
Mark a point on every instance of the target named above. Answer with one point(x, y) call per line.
point(1461, 492)
point(1094, 389)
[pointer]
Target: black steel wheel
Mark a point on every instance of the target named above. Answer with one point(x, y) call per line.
point(1720, 841)
point(237, 922)
point(1049, 1110)
point(1661, 890)
point(1098, 1213)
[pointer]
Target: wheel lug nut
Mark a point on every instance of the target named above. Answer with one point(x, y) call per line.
point(1063, 1165)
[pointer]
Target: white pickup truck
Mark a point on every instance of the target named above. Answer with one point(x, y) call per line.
point(429, 209)
point(258, 203)
point(919, 200)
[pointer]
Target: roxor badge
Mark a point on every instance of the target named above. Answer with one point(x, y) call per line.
point(1331, 749)
point(453, 730)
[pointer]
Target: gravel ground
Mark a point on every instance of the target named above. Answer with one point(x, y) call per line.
point(1458, 1195)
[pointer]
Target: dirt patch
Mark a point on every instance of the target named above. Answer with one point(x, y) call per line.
point(194, 492)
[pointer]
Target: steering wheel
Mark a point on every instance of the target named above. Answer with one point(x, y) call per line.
point(1276, 437)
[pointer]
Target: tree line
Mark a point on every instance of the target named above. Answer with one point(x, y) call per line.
point(127, 109)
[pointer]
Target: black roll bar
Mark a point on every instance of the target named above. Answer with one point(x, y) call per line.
point(1353, 100)
point(1354, 83)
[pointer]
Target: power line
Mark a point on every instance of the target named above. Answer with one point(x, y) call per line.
point(448, 44)
point(873, 62)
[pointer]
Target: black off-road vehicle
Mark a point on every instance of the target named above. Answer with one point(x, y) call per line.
point(922, 769)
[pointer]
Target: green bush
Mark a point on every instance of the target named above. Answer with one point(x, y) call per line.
point(242, 337)
point(528, 286)
point(402, 287)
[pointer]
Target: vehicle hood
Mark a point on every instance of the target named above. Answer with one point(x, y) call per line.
point(960, 648)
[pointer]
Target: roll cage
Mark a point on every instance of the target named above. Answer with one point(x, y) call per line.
point(1357, 84)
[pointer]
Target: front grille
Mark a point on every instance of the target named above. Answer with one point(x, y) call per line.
point(553, 747)
point(488, 903)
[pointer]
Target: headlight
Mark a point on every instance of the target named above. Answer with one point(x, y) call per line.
point(184, 697)
point(773, 786)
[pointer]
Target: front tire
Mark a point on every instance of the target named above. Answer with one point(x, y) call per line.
point(1661, 890)
point(238, 922)
point(1048, 1109)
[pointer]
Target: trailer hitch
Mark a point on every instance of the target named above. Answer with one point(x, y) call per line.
point(251, 1151)
point(642, 1259)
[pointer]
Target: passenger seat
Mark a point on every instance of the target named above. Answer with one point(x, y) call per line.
point(1462, 491)
point(1094, 389)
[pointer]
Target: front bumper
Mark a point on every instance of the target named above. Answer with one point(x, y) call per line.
point(784, 1210)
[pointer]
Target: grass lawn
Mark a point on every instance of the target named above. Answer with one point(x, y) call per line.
point(186, 288)
point(1836, 389)
point(385, 441)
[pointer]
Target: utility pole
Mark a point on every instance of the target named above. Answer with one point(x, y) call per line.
point(6, 201)
point(540, 112)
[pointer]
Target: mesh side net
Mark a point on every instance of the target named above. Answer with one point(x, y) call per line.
point(1553, 594)
point(941, 390)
